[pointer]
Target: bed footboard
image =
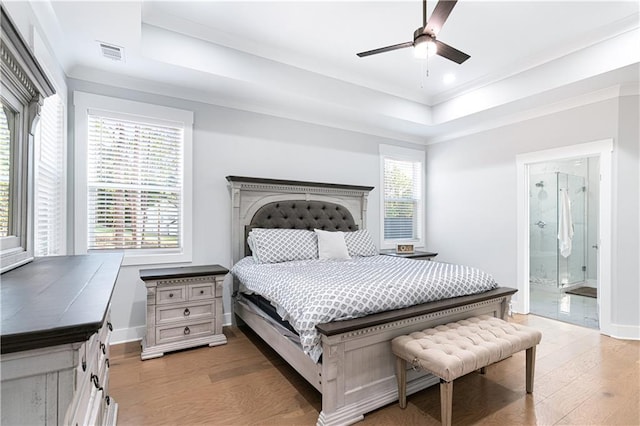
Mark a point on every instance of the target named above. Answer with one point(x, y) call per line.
point(358, 367)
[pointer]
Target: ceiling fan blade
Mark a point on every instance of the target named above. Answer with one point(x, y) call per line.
point(385, 49)
point(451, 53)
point(440, 15)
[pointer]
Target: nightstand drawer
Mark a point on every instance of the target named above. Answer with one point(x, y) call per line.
point(169, 314)
point(171, 295)
point(201, 291)
point(169, 334)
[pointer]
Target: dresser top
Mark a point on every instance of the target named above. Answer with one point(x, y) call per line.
point(56, 300)
point(182, 272)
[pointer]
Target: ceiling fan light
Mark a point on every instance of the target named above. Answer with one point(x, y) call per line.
point(423, 47)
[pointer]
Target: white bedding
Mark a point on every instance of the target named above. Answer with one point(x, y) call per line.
point(311, 292)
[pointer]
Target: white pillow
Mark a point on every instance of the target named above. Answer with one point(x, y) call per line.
point(331, 245)
point(359, 243)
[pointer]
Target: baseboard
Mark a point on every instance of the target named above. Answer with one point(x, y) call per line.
point(226, 319)
point(124, 335)
point(625, 332)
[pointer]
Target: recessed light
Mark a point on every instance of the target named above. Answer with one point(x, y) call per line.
point(449, 78)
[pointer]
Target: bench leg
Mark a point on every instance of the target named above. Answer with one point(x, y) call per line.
point(531, 366)
point(446, 401)
point(401, 375)
point(482, 370)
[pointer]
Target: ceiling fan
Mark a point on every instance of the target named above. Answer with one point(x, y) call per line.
point(424, 38)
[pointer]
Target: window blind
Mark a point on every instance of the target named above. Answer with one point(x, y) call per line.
point(134, 184)
point(402, 199)
point(5, 172)
point(50, 184)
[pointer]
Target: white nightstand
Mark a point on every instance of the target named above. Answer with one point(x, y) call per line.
point(184, 308)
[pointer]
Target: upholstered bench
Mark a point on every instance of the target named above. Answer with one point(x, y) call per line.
point(455, 349)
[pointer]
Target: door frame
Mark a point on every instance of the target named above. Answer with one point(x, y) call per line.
point(602, 149)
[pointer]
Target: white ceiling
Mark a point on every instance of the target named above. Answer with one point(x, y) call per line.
point(297, 59)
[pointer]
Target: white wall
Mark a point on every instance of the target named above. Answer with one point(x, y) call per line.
point(471, 193)
point(232, 142)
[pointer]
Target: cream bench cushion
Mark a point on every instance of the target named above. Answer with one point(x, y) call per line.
point(452, 350)
point(455, 349)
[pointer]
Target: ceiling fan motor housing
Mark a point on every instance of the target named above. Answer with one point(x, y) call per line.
point(423, 32)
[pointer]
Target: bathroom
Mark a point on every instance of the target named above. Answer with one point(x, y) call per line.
point(563, 238)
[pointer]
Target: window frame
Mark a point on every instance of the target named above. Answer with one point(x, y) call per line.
point(402, 154)
point(24, 87)
point(86, 103)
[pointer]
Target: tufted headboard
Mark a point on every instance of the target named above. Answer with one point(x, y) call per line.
point(271, 203)
point(302, 214)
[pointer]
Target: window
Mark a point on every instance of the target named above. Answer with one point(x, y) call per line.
point(24, 87)
point(134, 172)
point(50, 180)
point(402, 172)
point(6, 119)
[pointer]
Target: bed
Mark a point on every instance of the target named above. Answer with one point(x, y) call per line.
point(355, 373)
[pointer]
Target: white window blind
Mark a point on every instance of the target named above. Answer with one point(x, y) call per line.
point(402, 181)
point(5, 172)
point(134, 183)
point(50, 180)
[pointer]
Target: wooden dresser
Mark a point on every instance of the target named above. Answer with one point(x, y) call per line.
point(55, 341)
point(184, 308)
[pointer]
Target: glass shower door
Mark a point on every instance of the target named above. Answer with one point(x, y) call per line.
point(572, 268)
point(543, 230)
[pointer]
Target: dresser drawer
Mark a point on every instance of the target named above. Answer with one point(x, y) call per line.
point(175, 294)
point(182, 312)
point(167, 334)
point(201, 291)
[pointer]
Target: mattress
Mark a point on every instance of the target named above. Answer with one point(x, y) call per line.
point(310, 292)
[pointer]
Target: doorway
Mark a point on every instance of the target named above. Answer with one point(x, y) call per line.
point(542, 268)
point(563, 240)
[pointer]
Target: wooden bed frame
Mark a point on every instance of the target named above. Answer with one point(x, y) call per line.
point(356, 374)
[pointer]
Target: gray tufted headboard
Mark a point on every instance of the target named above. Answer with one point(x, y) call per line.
point(302, 214)
point(271, 203)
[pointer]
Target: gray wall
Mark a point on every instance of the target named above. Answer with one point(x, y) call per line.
point(471, 192)
point(233, 142)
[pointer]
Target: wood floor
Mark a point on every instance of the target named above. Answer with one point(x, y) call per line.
point(581, 378)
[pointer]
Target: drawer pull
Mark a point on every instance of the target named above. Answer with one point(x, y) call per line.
point(104, 348)
point(109, 326)
point(201, 291)
point(107, 399)
point(170, 294)
point(187, 312)
point(106, 361)
point(95, 381)
point(186, 331)
point(84, 365)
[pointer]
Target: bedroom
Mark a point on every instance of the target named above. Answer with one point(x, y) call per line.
point(244, 121)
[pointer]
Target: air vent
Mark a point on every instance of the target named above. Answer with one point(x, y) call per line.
point(112, 52)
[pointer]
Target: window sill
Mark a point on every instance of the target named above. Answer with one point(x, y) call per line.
point(135, 258)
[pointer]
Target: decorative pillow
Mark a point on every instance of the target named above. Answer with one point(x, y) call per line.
point(282, 245)
point(359, 243)
point(331, 245)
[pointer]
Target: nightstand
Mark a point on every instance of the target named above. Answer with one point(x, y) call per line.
point(418, 255)
point(184, 308)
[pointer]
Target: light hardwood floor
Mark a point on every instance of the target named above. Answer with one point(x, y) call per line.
point(581, 378)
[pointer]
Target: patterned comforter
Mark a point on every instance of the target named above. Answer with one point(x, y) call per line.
point(311, 292)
